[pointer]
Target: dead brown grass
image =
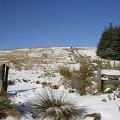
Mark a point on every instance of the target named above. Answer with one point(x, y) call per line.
point(6, 109)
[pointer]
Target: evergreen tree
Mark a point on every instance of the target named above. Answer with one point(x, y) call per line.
point(109, 44)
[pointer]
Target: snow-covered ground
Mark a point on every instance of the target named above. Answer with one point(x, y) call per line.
point(91, 52)
point(111, 72)
point(25, 85)
point(22, 92)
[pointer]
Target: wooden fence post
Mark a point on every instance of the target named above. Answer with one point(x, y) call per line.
point(5, 85)
point(99, 79)
point(3, 78)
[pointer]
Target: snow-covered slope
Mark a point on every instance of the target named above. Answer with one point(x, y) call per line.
point(34, 69)
point(108, 109)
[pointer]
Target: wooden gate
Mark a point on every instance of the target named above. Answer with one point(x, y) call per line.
point(102, 82)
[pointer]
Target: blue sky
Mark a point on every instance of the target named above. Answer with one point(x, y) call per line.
point(43, 23)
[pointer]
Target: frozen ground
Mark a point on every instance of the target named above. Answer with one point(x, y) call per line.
point(22, 92)
point(25, 87)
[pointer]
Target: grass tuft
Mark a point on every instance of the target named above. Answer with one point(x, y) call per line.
point(51, 105)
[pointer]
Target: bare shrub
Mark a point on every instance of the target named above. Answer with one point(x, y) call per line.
point(52, 105)
point(66, 72)
point(83, 76)
point(79, 79)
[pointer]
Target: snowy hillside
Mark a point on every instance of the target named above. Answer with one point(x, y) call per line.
point(35, 69)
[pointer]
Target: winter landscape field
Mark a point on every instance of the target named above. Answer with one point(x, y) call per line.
point(59, 59)
point(38, 72)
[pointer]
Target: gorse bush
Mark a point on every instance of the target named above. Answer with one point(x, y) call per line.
point(51, 105)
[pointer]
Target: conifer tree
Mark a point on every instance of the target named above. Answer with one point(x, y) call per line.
point(109, 44)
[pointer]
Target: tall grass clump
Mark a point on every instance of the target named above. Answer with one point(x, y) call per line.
point(66, 72)
point(51, 105)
